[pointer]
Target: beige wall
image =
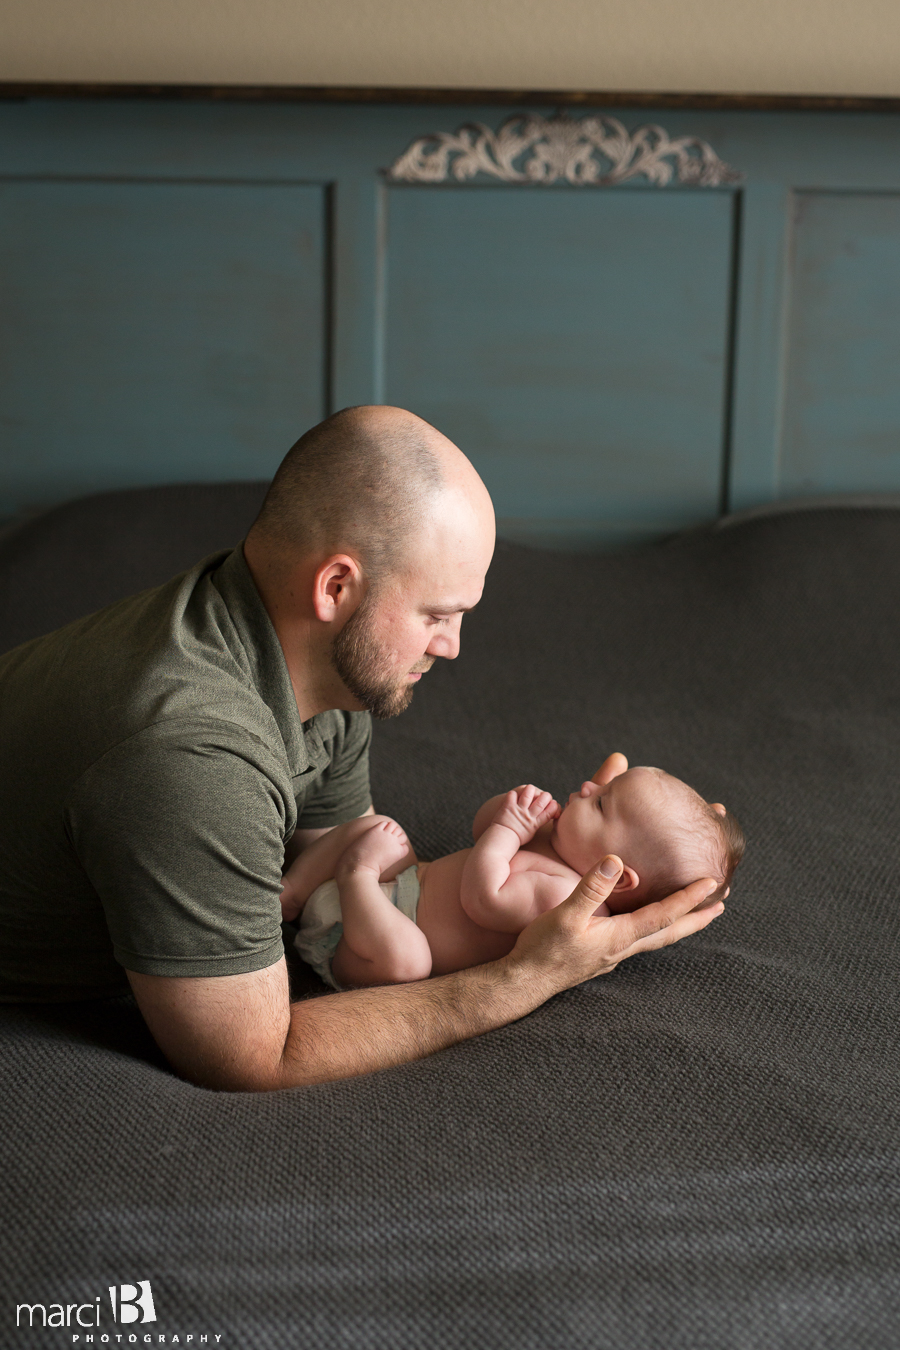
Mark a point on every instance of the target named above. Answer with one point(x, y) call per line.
point(741, 46)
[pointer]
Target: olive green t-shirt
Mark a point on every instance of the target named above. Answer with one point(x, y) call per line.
point(153, 765)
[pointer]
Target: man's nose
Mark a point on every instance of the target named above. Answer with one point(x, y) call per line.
point(445, 644)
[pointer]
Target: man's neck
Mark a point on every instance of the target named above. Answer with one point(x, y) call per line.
point(316, 684)
point(314, 695)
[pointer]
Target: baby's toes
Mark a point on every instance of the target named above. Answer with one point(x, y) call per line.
point(393, 841)
point(397, 834)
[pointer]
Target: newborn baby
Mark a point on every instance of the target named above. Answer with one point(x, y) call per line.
point(371, 914)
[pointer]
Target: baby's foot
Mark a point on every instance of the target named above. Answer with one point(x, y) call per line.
point(385, 843)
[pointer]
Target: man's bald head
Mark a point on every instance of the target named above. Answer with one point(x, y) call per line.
point(372, 542)
point(361, 481)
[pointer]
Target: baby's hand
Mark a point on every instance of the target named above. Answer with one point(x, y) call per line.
point(525, 810)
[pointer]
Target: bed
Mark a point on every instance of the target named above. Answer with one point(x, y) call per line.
point(696, 1152)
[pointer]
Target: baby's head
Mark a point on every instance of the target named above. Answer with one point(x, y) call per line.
point(664, 832)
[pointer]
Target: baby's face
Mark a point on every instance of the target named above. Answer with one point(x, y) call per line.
point(612, 818)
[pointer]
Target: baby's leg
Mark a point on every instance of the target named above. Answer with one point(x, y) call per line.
point(380, 945)
point(318, 862)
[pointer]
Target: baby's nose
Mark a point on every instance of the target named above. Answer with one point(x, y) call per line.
point(587, 788)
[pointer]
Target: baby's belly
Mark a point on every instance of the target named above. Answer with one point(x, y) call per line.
point(455, 941)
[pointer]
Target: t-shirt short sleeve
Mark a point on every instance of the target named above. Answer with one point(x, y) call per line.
point(342, 791)
point(180, 830)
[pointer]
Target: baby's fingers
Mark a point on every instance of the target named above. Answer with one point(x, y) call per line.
point(548, 807)
point(533, 799)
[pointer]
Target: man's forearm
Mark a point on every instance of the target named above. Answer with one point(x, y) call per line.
point(363, 1030)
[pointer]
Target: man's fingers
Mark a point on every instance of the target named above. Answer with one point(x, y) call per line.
point(573, 942)
point(611, 767)
point(596, 885)
point(680, 928)
point(664, 912)
point(668, 920)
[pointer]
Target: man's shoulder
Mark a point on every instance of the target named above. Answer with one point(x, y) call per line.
point(153, 669)
point(174, 628)
point(195, 731)
point(177, 757)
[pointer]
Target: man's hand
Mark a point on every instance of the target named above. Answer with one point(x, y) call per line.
point(524, 810)
point(571, 943)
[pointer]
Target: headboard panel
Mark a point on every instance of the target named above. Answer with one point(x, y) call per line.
point(631, 320)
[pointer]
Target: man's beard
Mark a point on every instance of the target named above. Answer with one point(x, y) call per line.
point(365, 668)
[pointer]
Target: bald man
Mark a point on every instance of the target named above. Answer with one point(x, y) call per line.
point(165, 758)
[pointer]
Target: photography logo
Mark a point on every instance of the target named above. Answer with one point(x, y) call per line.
point(91, 1325)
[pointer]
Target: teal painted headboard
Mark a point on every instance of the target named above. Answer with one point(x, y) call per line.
point(632, 320)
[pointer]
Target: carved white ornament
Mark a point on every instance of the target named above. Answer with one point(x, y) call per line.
point(561, 147)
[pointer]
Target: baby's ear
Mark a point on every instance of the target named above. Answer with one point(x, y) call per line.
point(718, 808)
point(623, 897)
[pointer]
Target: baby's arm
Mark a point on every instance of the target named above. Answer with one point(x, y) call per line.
point(484, 816)
point(490, 894)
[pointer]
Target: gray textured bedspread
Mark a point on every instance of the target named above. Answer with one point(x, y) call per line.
point(697, 1152)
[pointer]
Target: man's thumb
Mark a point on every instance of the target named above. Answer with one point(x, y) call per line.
point(597, 884)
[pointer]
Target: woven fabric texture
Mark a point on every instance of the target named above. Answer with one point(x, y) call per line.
point(697, 1152)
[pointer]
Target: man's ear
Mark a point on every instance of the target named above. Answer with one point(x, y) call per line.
point(718, 808)
point(611, 767)
point(628, 881)
point(338, 587)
